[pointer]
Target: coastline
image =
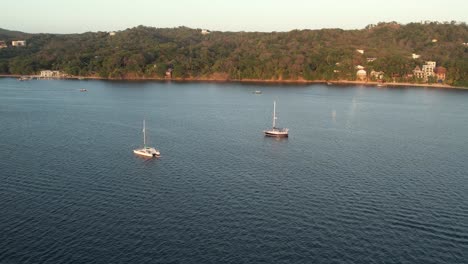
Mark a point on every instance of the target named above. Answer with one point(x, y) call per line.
point(221, 80)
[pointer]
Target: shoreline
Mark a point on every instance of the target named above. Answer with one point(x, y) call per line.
point(220, 80)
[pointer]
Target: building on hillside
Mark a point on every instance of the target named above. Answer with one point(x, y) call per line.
point(418, 73)
point(205, 32)
point(47, 74)
point(3, 44)
point(360, 67)
point(440, 73)
point(361, 75)
point(415, 56)
point(426, 71)
point(378, 75)
point(18, 43)
point(360, 51)
point(428, 68)
point(371, 59)
point(434, 40)
point(112, 33)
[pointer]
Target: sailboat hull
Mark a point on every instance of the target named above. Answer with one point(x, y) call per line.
point(147, 153)
point(272, 133)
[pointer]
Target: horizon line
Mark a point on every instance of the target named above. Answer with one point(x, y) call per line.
point(425, 22)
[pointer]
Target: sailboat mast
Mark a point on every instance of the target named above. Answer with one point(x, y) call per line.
point(144, 134)
point(274, 114)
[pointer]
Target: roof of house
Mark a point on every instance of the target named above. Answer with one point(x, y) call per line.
point(440, 70)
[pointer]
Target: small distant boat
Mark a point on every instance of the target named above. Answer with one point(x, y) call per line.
point(83, 90)
point(381, 85)
point(329, 83)
point(257, 92)
point(276, 131)
point(24, 78)
point(147, 152)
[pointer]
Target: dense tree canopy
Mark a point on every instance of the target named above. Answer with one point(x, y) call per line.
point(327, 54)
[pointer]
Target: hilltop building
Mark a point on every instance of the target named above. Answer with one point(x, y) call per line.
point(205, 32)
point(112, 33)
point(18, 43)
point(3, 44)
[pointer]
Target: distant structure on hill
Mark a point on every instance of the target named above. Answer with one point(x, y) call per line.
point(205, 32)
point(112, 33)
point(18, 43)
point(3, 44)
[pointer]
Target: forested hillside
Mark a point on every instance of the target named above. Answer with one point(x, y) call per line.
point(327, 54)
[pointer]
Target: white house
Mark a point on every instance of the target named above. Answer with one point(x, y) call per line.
point(428, 68)
point(50, 74)
point(416, 56)
point(377, 74)
point(205, 32)
point(18, 43)
point(361, 74)
point(360, 51)
point(112, 33)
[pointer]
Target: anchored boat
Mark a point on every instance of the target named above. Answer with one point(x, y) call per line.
point(147, 152)
point(276, 131)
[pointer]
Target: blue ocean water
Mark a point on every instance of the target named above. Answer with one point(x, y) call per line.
point(368, 175)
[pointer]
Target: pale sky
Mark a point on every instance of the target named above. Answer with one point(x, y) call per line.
point(77, 16)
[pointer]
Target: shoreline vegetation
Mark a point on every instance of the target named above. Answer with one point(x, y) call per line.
point(221, 80)
point(417, 54)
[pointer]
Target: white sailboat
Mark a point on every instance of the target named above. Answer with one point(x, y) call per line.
point(276, 131)
point(148, 152)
